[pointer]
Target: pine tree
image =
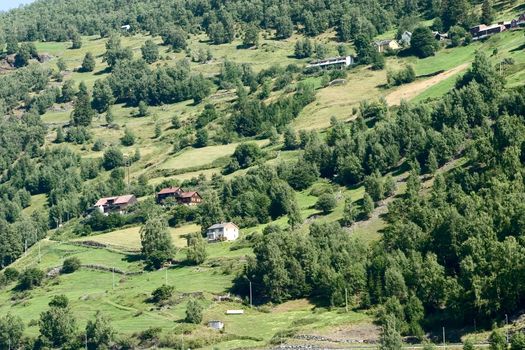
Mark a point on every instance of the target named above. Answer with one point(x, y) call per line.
point(194, 312)
point(432, 164)
point(82, 112)
point(390, 339)
point(368, 205)
point(109, 117)
point(349, 212)
point(60, 136)
point(88, 63)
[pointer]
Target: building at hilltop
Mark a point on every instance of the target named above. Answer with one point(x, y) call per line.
point(483, 31)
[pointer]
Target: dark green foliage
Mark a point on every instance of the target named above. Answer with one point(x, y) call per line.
point(76, 40)
point(143, 109)
point(194, 312)
point(88, 63)
point(403, 76)
point(162, 294)
point(303, 48)
point(469, 345)
point(293, 266)
point(487, 12)
point(349, 212)
point(497, 340)
point(208, 115)
point(368, 205)
point(115, 52)
point(30, 278)
point(326, 203)
point(390, 338)
point(78, 135)
point(456, 35)
point(11, 331)
point(58, 324)
point(196, 253)
point(23, 56)
point(283, 27)
point(456, 12)
point(128, 139)
point(71, 265)
point(246, 154)
point(251, 35)
point(69, 91)
point(102, 96)
point(99, 333)
point(11, 274)
point(113, 158)
point(82, 112)
point(423, 43)
point(174, 37)
point(201, 138)
point(157, 247)
point(517, 341)
point(150, 51)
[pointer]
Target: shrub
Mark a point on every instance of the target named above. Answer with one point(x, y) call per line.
point(163, 293)
point(194, 312)
point(11, 274)
point(403, 76)
point(71, 265)
point(30, 278)
point(326, 203)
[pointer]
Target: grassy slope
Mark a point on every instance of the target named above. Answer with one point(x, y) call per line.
point(126, 305)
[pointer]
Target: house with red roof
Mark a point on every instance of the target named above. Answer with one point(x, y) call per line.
point(179, 195)
point(116, 204)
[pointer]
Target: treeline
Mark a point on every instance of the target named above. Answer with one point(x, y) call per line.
point(59, 20)
point(455, 253)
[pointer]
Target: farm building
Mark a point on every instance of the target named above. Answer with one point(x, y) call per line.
point(181, 196)
point(334, 62)
point(117, 204)
point(482, 31)
point(386, 45)
point(226, 231)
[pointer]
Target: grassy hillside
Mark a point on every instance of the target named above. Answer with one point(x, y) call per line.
point(124, 295)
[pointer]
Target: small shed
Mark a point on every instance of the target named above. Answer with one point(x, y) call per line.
point(234, 312)
point(217, 325)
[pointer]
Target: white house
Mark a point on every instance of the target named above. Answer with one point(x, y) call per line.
point(226, 231)
point(338, 62)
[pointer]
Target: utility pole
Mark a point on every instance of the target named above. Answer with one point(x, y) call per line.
point(166, 277)
point(444, 342)
point(251, 304)
point(85, 341)
point(113, 275)
point(506, 327)
point(346, 299)
point(39, 255)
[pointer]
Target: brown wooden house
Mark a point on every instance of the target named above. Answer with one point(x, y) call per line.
point(178, 194)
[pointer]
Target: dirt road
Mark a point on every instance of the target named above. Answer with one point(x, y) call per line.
point(409, 91)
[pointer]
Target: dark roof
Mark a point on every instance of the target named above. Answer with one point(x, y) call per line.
point(170, 190)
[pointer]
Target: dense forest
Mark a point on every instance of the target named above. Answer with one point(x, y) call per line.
point(61, 20)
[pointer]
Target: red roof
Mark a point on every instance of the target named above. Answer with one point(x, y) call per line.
point(170, 190)
point(188, 194)
point(116, 200)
